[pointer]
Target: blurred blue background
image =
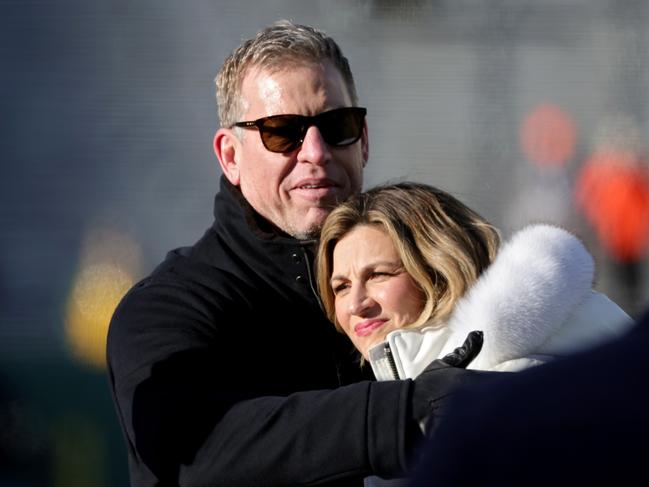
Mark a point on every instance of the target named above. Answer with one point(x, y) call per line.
point(526, 110)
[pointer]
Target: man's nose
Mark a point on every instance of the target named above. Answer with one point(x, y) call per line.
point(314, 149)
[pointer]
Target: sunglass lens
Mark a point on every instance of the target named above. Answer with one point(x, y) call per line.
point(282, 133)
point(342, 127)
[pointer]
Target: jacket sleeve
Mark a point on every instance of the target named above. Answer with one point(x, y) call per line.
point(184, 426)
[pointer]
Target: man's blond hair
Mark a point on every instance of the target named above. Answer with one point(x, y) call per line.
point(279, 46)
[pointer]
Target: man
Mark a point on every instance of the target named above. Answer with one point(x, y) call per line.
point(581, 420)
point(223, 367)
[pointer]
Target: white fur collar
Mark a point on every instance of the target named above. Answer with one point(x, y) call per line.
point(537, 280)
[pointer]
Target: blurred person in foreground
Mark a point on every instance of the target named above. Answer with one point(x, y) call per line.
point(223, 367)
point(580, 420)
point(406, 271)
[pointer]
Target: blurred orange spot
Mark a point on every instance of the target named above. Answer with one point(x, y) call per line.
point(613, 191)
point(548, 135)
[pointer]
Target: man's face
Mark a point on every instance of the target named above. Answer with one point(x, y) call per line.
point(295, 190)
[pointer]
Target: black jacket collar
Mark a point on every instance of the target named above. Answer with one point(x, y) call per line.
point(243, 243)
point(231, 208)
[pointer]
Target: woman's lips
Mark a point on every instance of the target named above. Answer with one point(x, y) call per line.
point(367, 327)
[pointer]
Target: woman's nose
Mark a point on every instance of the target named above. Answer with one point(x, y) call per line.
point(360, 301)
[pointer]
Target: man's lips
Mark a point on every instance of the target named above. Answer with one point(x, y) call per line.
point(366, 327)
point(316, 188)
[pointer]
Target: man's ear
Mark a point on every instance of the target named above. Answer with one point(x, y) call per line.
point(226, 146)
point(365, 145)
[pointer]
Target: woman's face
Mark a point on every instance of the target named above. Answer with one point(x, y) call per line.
point(373, 292)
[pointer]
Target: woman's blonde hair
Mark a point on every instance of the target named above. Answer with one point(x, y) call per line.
point(443, 244)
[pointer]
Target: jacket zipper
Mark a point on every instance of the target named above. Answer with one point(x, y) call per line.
point(310, 277)
point(390, 359)
point(309, 274)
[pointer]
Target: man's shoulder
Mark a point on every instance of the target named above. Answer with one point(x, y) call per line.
point(181, 272)
point(181, 293)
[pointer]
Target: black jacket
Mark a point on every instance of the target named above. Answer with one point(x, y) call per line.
point(225, 371)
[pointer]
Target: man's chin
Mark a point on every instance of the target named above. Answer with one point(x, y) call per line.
point(307, 232)
point(308, 228)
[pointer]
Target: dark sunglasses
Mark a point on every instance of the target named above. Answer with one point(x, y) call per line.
point(285, 133)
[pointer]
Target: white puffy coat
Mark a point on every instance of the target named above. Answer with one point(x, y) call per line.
point(535, 302)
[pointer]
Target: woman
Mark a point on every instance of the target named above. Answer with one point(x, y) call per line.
point(407, 270)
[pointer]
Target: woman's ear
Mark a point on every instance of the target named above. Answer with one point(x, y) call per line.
point(226, 145)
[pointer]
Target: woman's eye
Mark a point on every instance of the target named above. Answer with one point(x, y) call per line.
point(340, 288)
point(379, 274)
